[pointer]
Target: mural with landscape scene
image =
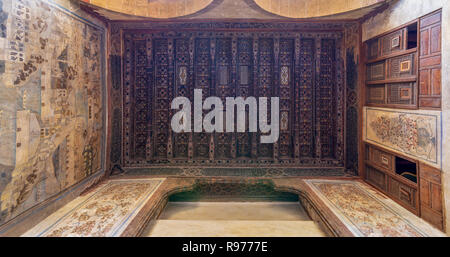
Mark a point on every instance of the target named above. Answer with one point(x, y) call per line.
point(51, 104)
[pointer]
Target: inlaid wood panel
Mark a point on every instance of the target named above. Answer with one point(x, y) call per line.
point(203, 80)
point(376, 94)
point(431, 195)
point(392, 43)
point(401, 67)
point(381, 158)
point(265, 85)
point(373, 49)
point(245, 89)
point(405, 194)
point(182, 142)
point(401, 94)
point(305, 70)
point(430, 61)
point(376, 71)
point(376, 178)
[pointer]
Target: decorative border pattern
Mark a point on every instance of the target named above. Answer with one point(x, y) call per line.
point(49, 225)
point(358, 216)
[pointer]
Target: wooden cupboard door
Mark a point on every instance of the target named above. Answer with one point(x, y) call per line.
point(425, 197)
point(436, 197)
point(431, 196)
point(430, 61)
point(376, 178)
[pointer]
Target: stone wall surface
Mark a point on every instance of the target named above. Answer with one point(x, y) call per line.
point(51, 101)
point(401, 12)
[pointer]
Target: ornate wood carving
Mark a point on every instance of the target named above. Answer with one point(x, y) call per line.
point(304, 69)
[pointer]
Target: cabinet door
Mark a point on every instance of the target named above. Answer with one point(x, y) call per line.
point(431, 195)
point(376, 177)
point(430, 61)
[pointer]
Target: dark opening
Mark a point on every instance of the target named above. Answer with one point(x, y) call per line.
point(412, 36)
point(406, 169)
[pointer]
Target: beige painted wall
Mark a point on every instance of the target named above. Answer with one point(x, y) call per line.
point(155, 8)
point(403, 11)
point(312, 8)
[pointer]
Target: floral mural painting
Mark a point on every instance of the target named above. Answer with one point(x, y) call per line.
point(414, 133)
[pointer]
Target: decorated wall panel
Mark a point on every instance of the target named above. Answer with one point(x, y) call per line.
point(413, 133)
point(304, 69)
point(51, 103)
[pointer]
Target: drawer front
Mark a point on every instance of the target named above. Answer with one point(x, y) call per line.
point(405, 194)
point(376, 177)
point(381, 159)
point(392, 43)
point(376, 94)
point(402, 66)
point(402, 93)
point(376, 71)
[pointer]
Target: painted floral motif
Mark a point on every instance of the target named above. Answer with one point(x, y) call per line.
point(414, 134)
point(405, 132)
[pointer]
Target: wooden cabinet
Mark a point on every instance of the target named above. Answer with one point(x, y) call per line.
point(391, 69)
point(412, 184)
point(384, 171)
point(431, 196)
point(430, 61)
point(389, 44)
point(403, 70)
point(403, 66)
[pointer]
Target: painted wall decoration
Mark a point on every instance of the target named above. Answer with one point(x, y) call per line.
point(413, 133)
point(51, 102)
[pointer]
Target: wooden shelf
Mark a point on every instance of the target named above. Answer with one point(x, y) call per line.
point(392, 81)
point(383, 58)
